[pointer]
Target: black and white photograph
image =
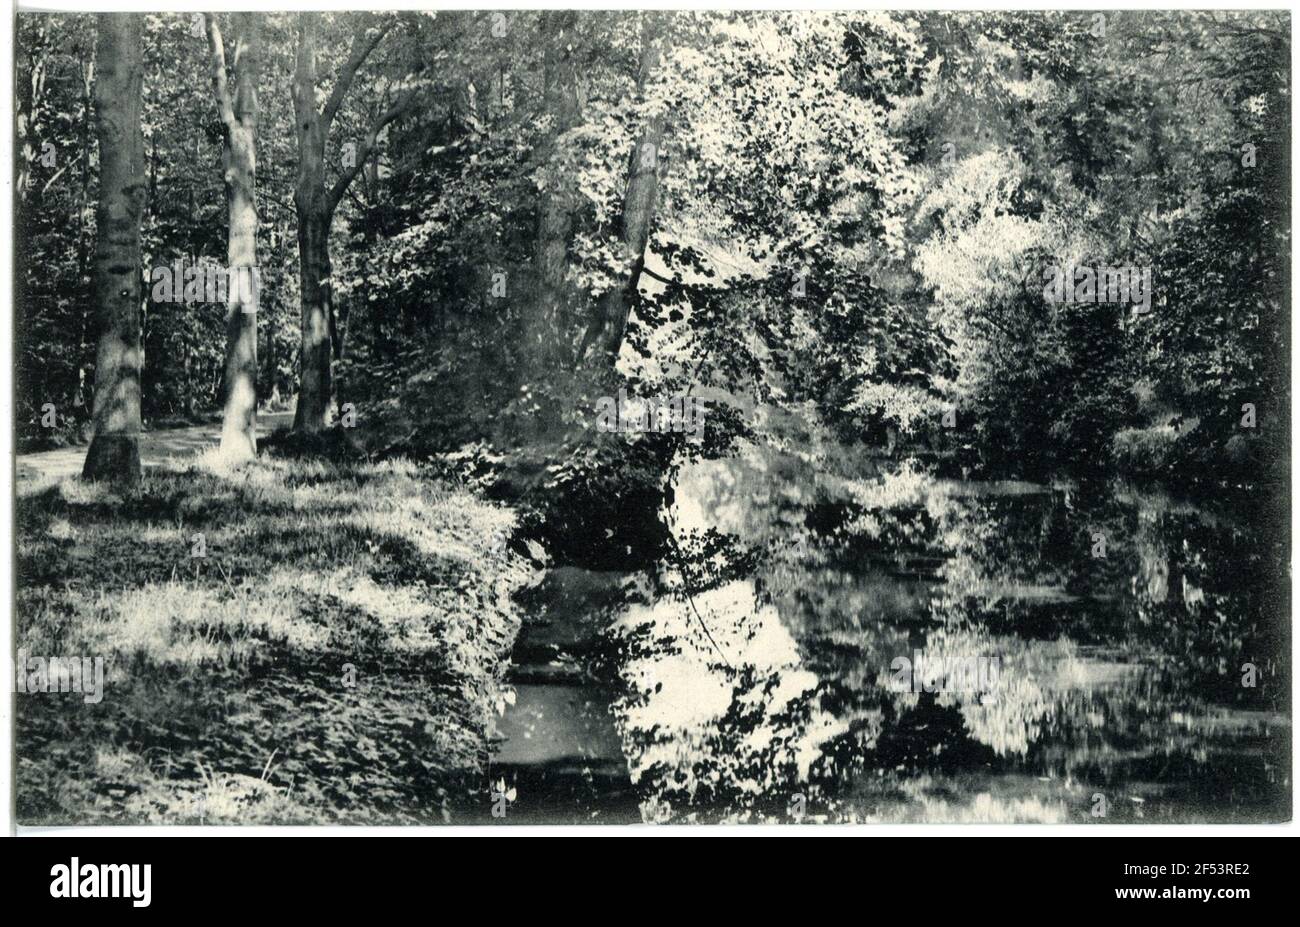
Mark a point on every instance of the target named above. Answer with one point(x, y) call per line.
point(702, 417)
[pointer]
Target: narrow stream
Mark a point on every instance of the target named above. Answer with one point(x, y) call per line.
point(886, 646)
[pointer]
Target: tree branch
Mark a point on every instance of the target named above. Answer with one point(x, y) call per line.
point(680, 284)
point(219, 80)
point(287, 207)
point(367, 146)
point(362, 46)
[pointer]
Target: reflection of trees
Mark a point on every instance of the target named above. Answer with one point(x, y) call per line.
point(1113, 670)
point(1177, 601)
point(1214, 598)
point(1010, 716)
point(1174, 585)
point(731, 730)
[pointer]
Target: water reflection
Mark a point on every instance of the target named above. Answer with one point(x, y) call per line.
point(760, 676)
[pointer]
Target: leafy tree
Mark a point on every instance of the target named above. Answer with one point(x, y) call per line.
point(316, 204)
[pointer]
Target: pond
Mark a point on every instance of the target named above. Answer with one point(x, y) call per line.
point(866, 642)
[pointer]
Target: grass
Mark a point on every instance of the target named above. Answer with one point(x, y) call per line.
point(335, 657)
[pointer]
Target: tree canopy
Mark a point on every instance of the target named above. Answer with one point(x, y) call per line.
point(496, 213)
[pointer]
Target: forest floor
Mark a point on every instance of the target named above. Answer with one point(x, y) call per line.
point(294, 642)
point(158, 448)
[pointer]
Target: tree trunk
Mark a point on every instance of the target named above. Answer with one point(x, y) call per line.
point(313, 256)
point(638, 213)
point(549, 327)
point(316, 205)
point(239, 159)
point(312, 413)
point(114, 452)
point(83, 240)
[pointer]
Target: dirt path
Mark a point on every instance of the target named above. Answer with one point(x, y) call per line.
point(157, 448)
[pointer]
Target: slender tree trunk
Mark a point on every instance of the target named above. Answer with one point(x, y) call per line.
point(114, 452)
point(370, 183)
point(83, 240)
point(312, 413)
point(638, 213)
point(239, 159)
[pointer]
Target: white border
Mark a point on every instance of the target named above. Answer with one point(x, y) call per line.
point(868, 830)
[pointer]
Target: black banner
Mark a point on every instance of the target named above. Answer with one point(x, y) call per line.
point(141, 876)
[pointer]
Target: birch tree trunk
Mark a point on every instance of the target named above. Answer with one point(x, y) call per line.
point(114, 452)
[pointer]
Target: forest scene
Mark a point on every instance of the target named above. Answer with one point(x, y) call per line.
point(681, 417)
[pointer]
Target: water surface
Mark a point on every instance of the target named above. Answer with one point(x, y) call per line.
point(1089, 654)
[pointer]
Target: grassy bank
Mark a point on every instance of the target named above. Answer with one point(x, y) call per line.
point(335, 656)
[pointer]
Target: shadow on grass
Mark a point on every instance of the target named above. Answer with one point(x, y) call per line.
point(335, 655)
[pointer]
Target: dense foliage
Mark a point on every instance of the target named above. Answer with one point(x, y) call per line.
point(849, 213)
